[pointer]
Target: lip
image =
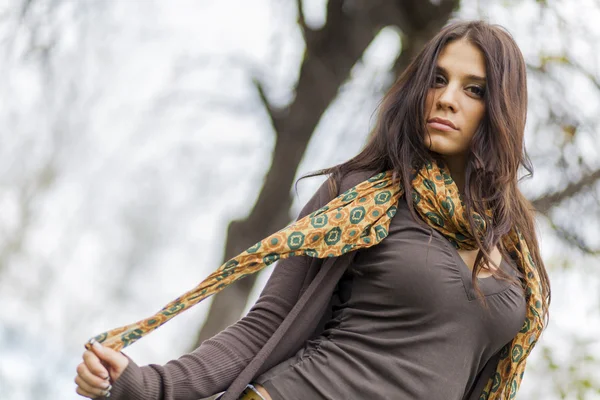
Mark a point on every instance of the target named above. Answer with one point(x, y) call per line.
point(441, 124)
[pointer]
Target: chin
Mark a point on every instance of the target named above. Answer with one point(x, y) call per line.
point(441, 147)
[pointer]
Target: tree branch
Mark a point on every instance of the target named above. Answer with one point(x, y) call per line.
point(545, 203)
point(563, 60)
point(573, 239)
point(301, 20)
point(274, 114)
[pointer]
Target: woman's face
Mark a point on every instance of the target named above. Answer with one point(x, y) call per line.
point(455, 106)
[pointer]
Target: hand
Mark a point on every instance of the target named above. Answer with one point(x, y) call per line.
point(100, 366)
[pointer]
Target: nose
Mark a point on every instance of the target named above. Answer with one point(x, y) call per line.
point(447, 99)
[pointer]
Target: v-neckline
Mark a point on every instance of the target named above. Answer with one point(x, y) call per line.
point(488, 285)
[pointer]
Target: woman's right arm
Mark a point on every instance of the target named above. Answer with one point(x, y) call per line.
point(214, 365)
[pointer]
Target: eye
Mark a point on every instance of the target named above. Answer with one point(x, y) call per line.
point(439, 80)
point(477, 91)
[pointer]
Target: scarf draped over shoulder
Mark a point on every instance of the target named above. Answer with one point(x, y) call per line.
point(359, 218)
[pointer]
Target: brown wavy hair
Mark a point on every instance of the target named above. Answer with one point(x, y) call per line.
point(497, 148)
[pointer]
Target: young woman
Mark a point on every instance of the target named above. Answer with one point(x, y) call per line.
point(448, 306)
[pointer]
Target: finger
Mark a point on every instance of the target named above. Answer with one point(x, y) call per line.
point(84, 393)
point(92, 391)
point(115, 361)
point(91, 379)
point(95, 365)
point(106, 354)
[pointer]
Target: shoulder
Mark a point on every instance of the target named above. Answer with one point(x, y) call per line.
point(354, 178)
point(330, 189)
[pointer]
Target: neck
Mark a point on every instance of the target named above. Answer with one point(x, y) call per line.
point(457, 169)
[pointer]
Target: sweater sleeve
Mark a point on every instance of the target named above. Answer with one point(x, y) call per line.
point(218, 361)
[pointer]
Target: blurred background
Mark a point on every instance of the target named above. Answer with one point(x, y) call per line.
point(144, 141)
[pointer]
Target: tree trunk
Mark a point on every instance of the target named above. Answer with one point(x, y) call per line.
point(331, 52)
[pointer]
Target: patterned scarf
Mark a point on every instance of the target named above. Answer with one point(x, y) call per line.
point(357, 219)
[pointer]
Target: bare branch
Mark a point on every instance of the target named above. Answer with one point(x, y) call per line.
point(573, 239)
point(545, 203)
point(301, 20)
point(29, 193)
point(25, 7)
point(274, 114)
point(592, 78)
point(564, 60)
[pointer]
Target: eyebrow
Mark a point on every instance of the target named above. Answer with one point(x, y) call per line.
point(469, 77)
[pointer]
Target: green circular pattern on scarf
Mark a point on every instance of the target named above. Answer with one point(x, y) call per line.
point(435, 218)
point(357, 214)
point(271, 258)
point(448, 205)
point(254, 248)
point(319, 221)
point(350, 196)
point(496, 379)
point(517, 353)
point(383, 197)
point(333, 236)
point(295, 240)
